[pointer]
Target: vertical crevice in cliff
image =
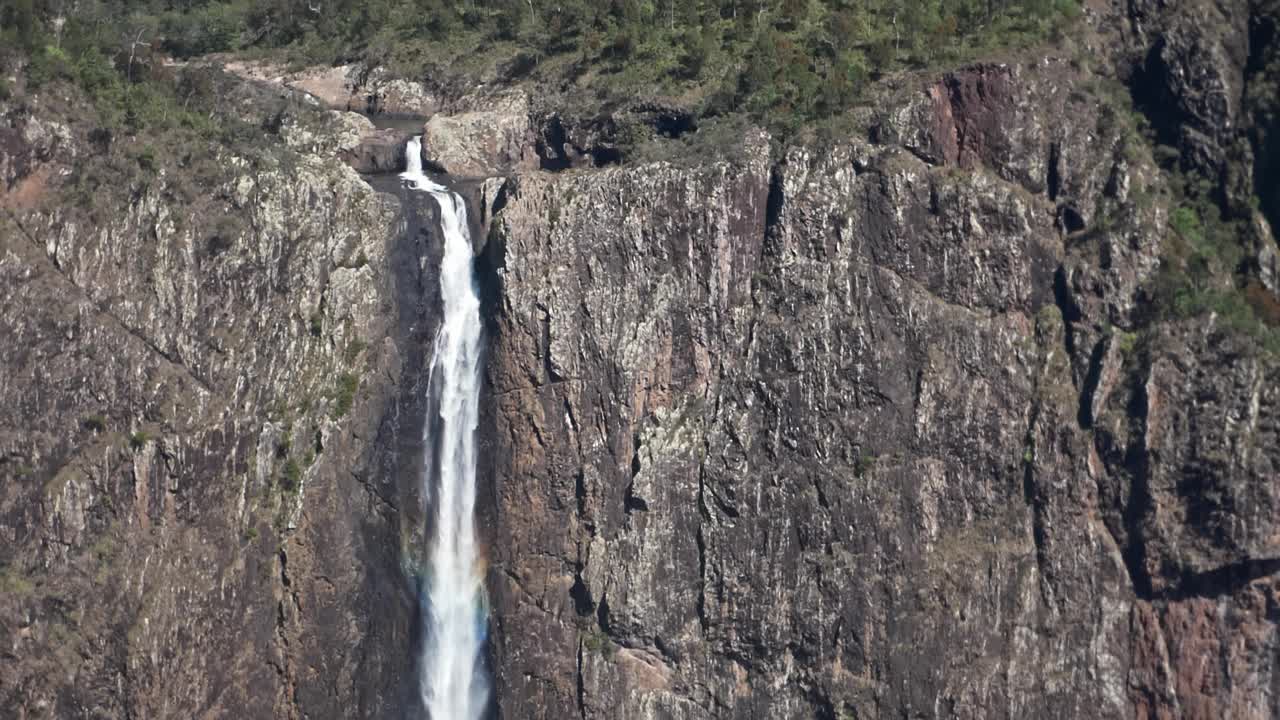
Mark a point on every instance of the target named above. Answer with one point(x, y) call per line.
point(580, 694)
point(602, 615)
point(1032, 499)
point(699, 536)
point(1053, 181)
point(630, 501)
point(1265, 136)
point(774, 201)
point(1151, 96)
point(548, 367)
point(581, 596)
point(1138, 504)
point(488, 267)
point(701, 542)
point(1067, 305)
point(1093, 375)
point(580, 493)
point(287, 606)
point(1049, 337)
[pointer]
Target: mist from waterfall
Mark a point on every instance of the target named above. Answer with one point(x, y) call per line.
point(452, 675)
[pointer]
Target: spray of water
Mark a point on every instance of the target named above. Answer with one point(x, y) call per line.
point(452, 680)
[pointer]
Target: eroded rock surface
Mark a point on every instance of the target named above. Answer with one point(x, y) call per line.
point(876, 430)
point(199, 394)
point(493, 136)
point(345, 87)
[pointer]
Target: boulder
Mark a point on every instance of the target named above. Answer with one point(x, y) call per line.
point(397, 97)
point(493, 139)
point(378, 151)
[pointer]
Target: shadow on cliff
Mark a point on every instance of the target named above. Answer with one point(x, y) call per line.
point(397, 463)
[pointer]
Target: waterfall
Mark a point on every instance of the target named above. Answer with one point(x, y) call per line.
point(452, 679)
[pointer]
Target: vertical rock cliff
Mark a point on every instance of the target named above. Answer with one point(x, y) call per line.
point(884, 427)
point(204, 504)
point(947, 413)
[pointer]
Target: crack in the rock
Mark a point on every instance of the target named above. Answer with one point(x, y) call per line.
point(108, 314)
point(1225, 580)
point(534, 387)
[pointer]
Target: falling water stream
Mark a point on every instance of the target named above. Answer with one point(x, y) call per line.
point(452, 678)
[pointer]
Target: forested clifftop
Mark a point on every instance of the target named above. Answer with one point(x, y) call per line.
point(844, 359)
point(787, 61)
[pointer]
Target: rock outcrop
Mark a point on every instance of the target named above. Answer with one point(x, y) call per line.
point(493, 136)
point(345, 87)
point(379, 151)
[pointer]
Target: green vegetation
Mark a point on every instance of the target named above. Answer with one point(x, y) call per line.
point(1204, 268)
point(597, 641)
point(13, 583)
point(285, 444)
point(783, 61)
point(354, 348)
point(360, 260)
point(104, 551)
point(1205, 264)
point(139, 111)
point(1127, 342)
point(94, 423)
point(123, 76)
point(1262, 95)
point(345, 394)
point(138, 440)
point(292, 476)
point(865, 463)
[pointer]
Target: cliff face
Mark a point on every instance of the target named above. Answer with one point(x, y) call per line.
point(880, 428)
point(874, 425)
point(202, 500)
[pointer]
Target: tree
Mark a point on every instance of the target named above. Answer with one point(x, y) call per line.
point(24, 21)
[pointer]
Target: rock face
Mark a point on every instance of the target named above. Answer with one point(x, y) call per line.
point(380, 151)
point(345, 87)
point(492, 138)
point(876, 430)
point(206, 441)
point(873, 426)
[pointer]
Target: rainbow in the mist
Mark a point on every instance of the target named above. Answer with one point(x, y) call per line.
point(455, 612)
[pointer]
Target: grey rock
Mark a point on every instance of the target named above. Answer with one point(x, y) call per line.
point(381, 151)
point(494, 138)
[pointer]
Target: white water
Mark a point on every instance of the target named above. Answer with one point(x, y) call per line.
point(452, 679)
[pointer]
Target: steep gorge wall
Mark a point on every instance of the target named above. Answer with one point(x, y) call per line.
point(863, 427)
point(879, 429)
point(205, 508)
